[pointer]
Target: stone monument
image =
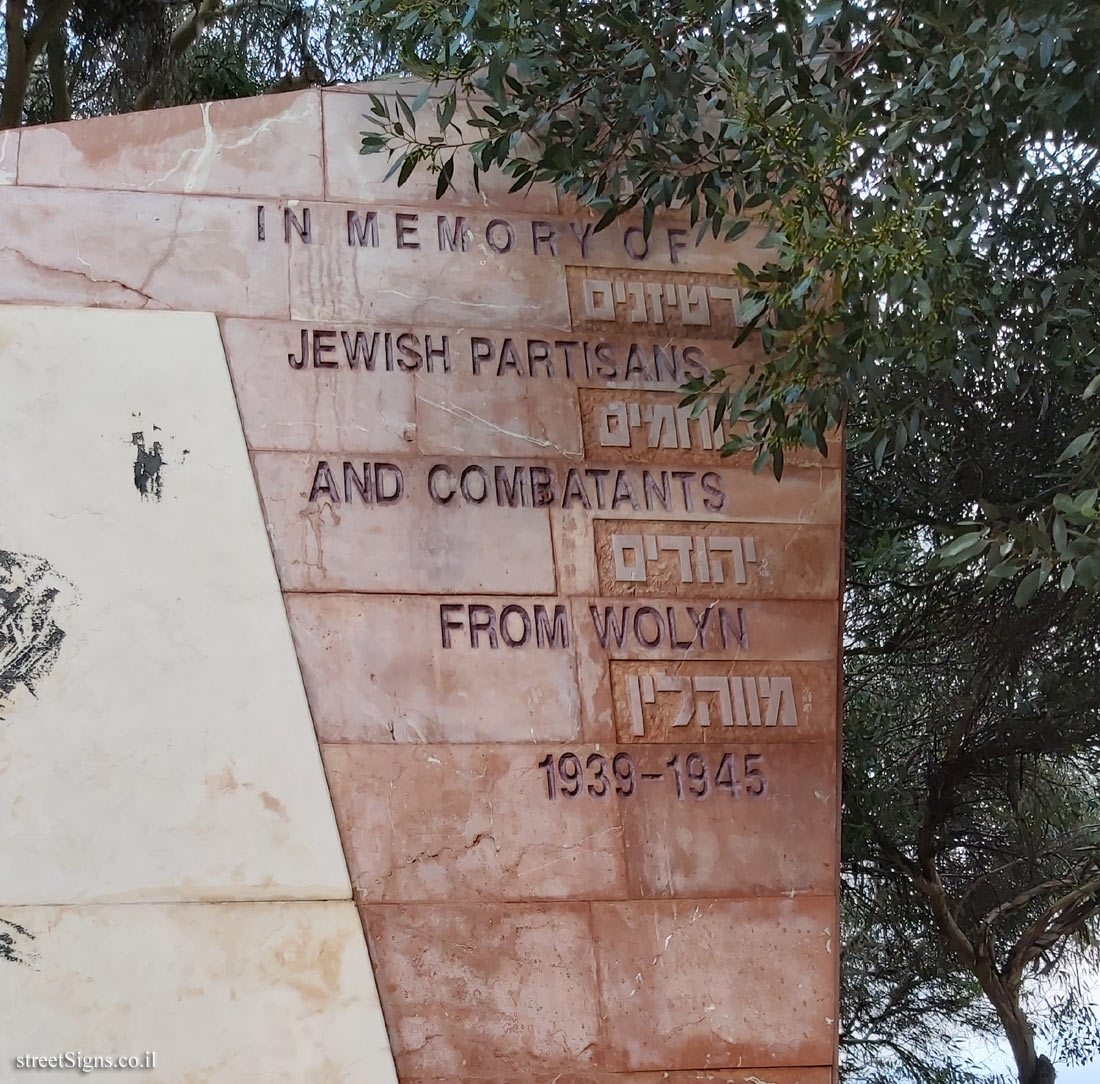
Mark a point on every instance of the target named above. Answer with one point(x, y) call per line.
point(395, 680)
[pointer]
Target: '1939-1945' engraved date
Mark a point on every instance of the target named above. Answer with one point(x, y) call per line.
point(692, 775)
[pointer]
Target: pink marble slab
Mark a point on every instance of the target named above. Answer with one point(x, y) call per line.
point(449, 823)
point(264, 146)
point(689, 984)
point(137, 250)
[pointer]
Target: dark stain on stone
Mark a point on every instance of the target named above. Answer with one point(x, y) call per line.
point(14, 942)
point(147, 467)
point(30, 638)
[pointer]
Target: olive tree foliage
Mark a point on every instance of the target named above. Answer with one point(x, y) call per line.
point(899, 153)
point(927, 176)
point(79, 58)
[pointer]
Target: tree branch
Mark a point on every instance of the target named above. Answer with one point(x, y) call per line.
point(45, 26)
point(1032, 894)
point(1062, 918)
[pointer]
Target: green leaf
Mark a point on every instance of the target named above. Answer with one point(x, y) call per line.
point(407, 167)
point(1060, 534)
point(1028, 586)
point(1088, 570)
point(750, 308)
point(719, 409)
point(606, 219)
point(803, 288)
point(964, 548)
point(398, 164)
point(879, 453)
point(739, 228)
point(1066, 582)
point(446, 110)
point(897, 286)
point(1080, 444)
point(1046, 48)
point(406, 112)
point(443, 181)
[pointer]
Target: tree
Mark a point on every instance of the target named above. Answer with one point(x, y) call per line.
point(972, 827)
point(26, 42)
point(927, 171)
point(80, 58)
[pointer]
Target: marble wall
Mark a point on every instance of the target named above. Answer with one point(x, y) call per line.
point(570, 675)
point(172, 879)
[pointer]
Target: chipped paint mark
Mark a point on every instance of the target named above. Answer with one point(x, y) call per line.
point(30, 637)
point(148, 464)
point(15, 942)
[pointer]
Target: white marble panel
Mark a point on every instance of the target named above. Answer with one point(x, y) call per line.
point(243, 993)
point(163, 749)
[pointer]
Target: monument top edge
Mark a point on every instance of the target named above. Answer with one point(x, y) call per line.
point(407, 86)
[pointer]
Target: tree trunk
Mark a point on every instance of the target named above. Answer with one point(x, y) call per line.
point(61, 107)
point(24, 48)
point(1030, 1068)
point(18, 71)
point(1044, 1071)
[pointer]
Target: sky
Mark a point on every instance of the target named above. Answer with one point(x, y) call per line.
point(1077, 1074)
point(1084, 1074)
